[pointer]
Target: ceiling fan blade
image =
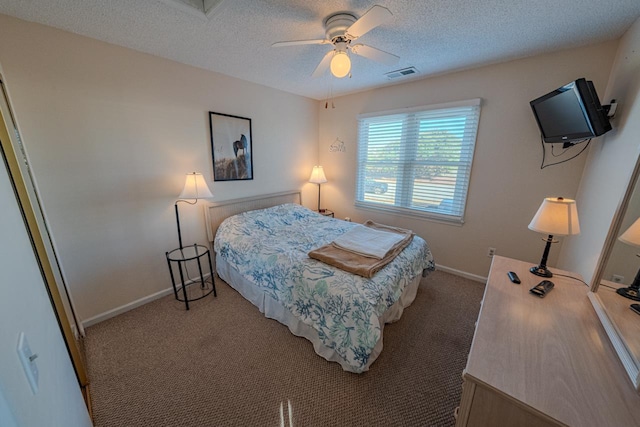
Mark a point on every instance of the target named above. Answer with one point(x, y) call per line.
point(300, 42)
point(374, 54)
point(323, 65)
point(375, 16)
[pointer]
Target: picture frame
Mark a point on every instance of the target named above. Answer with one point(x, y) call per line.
point(231, 147)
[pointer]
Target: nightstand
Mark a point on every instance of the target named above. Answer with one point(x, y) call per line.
point(326, 212)
point(190, 291)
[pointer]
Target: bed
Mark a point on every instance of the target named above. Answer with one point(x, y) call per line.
point(261, 246)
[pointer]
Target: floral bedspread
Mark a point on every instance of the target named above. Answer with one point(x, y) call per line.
point(269, 248)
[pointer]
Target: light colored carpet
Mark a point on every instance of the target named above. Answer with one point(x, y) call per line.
point(224, 364)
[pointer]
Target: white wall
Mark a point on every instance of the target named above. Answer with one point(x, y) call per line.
point(25, 307)
point(610, 162)
point(6, 416)
point(507, 185)
point(111, 132)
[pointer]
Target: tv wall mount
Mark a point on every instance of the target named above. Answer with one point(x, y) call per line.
point(610, 109)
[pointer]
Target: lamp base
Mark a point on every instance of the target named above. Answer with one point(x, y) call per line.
point(630, 292)
point(541, 271)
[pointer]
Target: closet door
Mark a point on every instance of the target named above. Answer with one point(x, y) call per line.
point(17, 166)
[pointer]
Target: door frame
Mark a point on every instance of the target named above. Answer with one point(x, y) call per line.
point(10, 157)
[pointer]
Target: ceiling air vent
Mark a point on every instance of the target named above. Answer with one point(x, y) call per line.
point(200, 8)
point(401, 73)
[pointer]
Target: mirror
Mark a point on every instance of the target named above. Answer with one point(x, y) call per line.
point(618, 267)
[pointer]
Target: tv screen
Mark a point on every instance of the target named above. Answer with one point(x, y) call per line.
point(570, 113)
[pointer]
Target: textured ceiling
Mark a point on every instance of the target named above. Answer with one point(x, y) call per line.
point(434, 36)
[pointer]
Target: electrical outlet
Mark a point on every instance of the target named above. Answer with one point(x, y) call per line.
point(616, 278)
point(491, 252)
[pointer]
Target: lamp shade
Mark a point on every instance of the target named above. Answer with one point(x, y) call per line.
point(632, 235)
point(317, 175)
point(340, 64)
point(556, 216)
point(195, 187)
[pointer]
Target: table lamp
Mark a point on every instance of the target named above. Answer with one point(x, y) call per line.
point(195, 188)
point(632, 237)
point(317, 177)
point(555, 217)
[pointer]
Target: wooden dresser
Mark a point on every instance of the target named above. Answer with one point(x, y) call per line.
point(542, 361)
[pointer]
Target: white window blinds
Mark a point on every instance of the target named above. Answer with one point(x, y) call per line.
point(418, 161)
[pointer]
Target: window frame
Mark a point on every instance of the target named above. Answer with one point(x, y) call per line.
point(405, 173)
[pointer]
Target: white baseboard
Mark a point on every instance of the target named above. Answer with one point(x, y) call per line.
point(134, 304)
point(461, 273)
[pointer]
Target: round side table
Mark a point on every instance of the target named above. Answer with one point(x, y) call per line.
point(181, 256)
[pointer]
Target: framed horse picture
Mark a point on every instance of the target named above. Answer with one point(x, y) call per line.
point(231, 147)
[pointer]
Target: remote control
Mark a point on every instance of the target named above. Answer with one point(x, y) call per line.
point(513, 277)
point(635, 308)
point(542, 288)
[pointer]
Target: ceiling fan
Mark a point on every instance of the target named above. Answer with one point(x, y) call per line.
point(341, 29)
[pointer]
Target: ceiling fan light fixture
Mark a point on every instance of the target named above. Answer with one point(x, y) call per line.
point(340, 64)
point(341, 29)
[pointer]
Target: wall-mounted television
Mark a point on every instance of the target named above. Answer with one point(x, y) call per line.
point(571, 113)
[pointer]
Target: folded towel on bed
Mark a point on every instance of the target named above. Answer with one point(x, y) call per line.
point(368, 241)
point(364, 266)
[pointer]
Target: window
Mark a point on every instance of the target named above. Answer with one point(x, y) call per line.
point(418, 161)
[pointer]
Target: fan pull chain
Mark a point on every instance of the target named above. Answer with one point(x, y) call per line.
point(330, 95)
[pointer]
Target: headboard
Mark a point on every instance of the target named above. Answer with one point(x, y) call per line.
point(216, 212)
